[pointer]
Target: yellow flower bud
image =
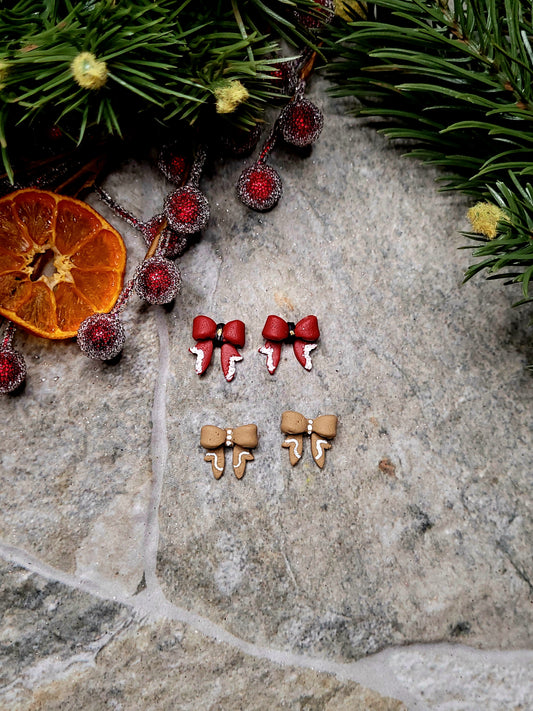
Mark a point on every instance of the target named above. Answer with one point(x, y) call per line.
point(358, 8)
point(484, 217)
point(89, 72)
point(229, 94)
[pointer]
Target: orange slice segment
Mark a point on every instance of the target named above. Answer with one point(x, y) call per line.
point(60, 262)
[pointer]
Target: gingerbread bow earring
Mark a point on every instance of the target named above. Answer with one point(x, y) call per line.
point(303, 336)
point(208, 334)
point(242, 439)
point(321, 429)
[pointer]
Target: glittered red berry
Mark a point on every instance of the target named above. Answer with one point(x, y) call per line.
point(101, 336)
point(176, 242)
point(173, 163)
point(323, 15)
point(187, 210)
point(12, 370)
point(259, 187)
point(157, 280)
point(285, 76)
point(301, 122)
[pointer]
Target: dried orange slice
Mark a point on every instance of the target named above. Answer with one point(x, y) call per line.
point(60, 262)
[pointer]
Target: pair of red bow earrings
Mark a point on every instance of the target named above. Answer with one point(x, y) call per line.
point(230, 336)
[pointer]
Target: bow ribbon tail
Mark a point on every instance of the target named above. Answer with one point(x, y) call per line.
point(229, 355)
point(216, 457)
point(272, 351)
point(241, 455)
point(318, 448)
point(203, 351)
point(302, 350)
point(294, 444)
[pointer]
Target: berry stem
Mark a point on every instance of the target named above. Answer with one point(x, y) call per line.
point(269, 143)
point(299, 91)
point(196, 169)
point(119, 211)
point(123, 298)
point(159, 244)
point(8, 336)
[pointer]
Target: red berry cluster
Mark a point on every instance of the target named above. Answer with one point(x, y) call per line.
point(157, 279)
point(299, 124)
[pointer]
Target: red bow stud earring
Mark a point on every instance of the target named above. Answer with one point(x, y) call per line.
point(303, 336)
point(208, 334)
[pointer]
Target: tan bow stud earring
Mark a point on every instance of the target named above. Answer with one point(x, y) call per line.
point(242, 439)
point(321, 429)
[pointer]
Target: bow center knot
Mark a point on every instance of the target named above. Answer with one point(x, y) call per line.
point(292, 331)
point(219, 337)
point(309, 426)
point(229, 438)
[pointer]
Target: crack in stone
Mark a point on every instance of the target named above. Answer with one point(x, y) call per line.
point(373, 672)
point(159, 451)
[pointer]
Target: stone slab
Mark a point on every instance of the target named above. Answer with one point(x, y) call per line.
point(62, 649)
point(417, 528)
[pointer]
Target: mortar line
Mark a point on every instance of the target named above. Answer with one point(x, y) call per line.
point(152, 604)
point(159, 452)
point(373, 672)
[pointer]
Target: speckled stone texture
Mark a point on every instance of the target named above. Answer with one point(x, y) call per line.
point(134, 580)
point(418, 526)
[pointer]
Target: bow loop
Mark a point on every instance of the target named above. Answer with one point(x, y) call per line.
point(325, 426)
point(275, 329)
point(293, 422)
point(203, 328)
point(246, 436)
point(212, 437)
point(307, 329)
point(234, 332)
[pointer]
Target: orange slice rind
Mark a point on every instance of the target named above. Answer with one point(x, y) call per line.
point(60, 262)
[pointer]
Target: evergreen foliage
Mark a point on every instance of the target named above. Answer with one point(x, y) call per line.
point(161, 61)
point(453, 81)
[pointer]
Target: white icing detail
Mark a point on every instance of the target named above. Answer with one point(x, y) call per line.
point(319, 450)
point(309, 426)
point(198, 352)
point(228, 443)
point(231, 369)
point(239, 462)
point(215, 461)
point(229, 432)
point(297, 454)
point(269, 352)
point(307, 350)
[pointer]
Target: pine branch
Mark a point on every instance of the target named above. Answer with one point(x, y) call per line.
point(104, 65)
point(453, 81)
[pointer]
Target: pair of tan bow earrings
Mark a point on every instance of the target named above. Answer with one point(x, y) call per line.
point(244, 438)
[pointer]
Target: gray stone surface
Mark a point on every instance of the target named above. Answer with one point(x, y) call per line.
point(418, 526)
point(417, 529)
point(64, 649)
